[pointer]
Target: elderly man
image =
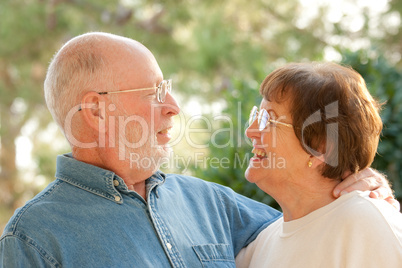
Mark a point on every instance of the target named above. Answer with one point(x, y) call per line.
point(108, 96)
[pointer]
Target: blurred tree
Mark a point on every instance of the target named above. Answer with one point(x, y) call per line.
point(227, 165)
point(21, 70)
point(216, 51)
point(285, 31)
point(385, 83)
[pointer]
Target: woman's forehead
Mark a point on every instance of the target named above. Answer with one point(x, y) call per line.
point(278, 108)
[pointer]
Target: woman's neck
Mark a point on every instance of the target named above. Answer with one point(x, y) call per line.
point(299, 199)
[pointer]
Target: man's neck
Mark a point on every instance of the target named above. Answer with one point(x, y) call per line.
point(139, 188)
point(134, 179)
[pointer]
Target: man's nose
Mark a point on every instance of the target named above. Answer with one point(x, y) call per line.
point(170, 106)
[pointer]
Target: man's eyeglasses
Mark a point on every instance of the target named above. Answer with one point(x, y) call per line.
point(263, 119)
point(161, 91)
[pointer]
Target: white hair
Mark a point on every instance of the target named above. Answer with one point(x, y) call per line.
point(78, 67)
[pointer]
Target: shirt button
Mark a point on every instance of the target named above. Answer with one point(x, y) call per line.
point(169, 246)
point(117, 198)
point(116, 183)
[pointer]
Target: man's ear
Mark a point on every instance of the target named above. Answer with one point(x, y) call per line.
point(93, 109)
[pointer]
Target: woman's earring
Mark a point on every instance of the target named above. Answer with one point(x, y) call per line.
point(310, 164)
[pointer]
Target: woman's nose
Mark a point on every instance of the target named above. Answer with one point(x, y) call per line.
point(252, 131)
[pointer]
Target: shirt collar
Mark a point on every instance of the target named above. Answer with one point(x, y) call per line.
point(97, 180)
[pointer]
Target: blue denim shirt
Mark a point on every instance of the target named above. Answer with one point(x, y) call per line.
point(88, 217)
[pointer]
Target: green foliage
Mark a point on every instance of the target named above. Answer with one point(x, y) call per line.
point(18, 42)
point(233, 160)
point(385, 83)
point(216, 51)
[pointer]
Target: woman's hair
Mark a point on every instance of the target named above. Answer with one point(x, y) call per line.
point(333, 113)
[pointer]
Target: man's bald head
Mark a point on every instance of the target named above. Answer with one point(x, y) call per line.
point(89, 62)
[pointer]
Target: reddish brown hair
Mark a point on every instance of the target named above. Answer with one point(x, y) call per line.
point(312, 87)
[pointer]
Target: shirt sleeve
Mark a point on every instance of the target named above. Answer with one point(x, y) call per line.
point(247, 218)
point(16, 252)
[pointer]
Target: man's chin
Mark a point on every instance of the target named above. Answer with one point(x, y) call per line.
point(164, 150)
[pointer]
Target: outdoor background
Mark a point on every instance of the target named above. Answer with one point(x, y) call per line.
point(216, 52)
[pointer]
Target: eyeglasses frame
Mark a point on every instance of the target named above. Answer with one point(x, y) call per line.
point(261, 113)
point(160, 99)
point(169, 90)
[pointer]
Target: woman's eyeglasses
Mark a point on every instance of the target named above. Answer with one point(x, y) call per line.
point(263, 119)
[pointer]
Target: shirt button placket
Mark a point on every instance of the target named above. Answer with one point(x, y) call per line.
point(164, 235)
point(169, 246)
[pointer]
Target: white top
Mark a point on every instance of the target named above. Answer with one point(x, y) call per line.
point(353, 231)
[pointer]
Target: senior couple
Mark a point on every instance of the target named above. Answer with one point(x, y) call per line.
point(102, 212)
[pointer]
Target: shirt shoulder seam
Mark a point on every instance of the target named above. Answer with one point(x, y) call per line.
point(31, 243)
point(37, 199)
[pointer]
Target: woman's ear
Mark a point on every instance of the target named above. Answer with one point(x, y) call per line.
point(93, 109)
point(315, 161)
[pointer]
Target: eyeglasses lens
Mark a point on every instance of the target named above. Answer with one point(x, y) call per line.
point(253, 115)
point(263, 118)
point(164, 87)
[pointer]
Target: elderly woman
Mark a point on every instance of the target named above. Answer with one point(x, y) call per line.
point(317, 122)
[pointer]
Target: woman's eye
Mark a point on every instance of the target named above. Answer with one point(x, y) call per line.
point(272, 115)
